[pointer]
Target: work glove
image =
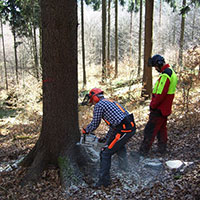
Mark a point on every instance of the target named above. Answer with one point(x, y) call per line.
point(102, 140)
point(83, 131)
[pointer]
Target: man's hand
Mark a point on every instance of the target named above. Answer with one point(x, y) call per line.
point(83, 131)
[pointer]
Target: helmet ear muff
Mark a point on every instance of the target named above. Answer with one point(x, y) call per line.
point(159, 63)
point(95, 99)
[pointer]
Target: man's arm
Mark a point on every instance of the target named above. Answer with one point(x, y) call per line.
point(97, 116)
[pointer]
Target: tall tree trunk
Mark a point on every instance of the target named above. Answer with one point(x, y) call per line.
point(147, 75)
point(131, 22)
point(83, 43)
point(40, 42)
point(140, 38)
point(4, 56)
point(108, 42)
point(103, 41)
point(60, 129)
point(193, 22)
point(174, 33)
point(160, 37)
point(16, 58)
point(180, 59)
point(160, 14)
point(131, 32)
point(116, 38)
point(35, 52)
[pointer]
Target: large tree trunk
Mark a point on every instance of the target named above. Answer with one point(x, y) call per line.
point(147, 76)
point(60, 130)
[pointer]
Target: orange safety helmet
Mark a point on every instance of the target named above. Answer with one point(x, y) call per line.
point(93, 94)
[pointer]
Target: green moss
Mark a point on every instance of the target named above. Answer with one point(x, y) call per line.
point(67, 171)
point(22, 137)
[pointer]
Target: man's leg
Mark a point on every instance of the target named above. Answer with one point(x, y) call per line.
point(162, 137)
point(104, 171)
point(105, 159)
point(151, 129)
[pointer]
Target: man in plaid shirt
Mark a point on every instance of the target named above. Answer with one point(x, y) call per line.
point(122, 128)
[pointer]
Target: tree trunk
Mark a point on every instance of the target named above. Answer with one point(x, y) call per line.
point(180, 60)
point(108, 43)
point(160, 13)
point(193, 22)
point(131, 32)
point(35, 52)
point(83, 43)
point(103, 41)
point(147, 75)
point(140, 38)
point(174, 33)
point(4, 56)
point(116, 38)
point(16, 58)
point(60, 130)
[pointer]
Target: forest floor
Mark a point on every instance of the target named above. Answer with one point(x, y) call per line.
point(20, 125)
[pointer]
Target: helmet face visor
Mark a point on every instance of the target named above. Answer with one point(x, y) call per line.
point(85, 100)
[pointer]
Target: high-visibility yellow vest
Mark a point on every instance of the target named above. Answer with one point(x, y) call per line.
point(168, 73)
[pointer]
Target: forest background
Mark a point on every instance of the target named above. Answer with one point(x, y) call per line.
point(21, 85)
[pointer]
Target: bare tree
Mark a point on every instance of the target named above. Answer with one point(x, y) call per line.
point(4, 56)
point(181, 42)
point(116, 38)
point(140, 38)
point(103, 40)
point(83, 43)
point(147, 75)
